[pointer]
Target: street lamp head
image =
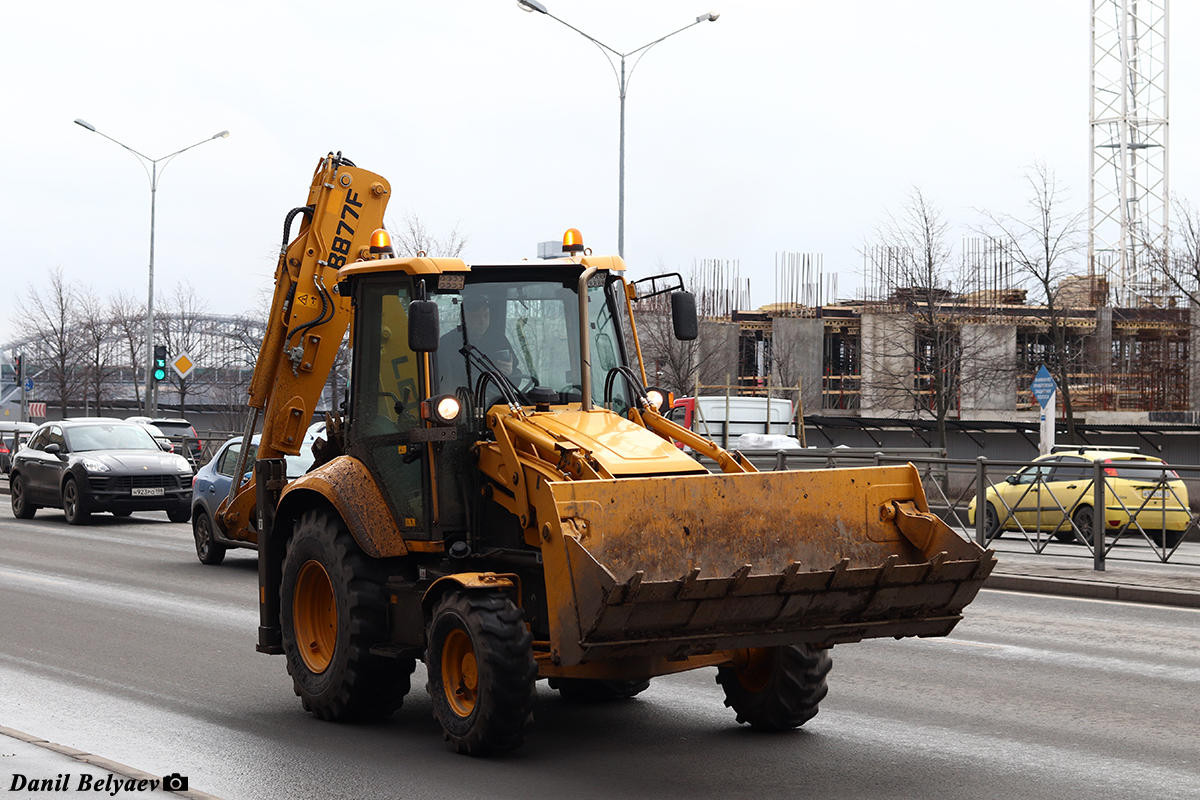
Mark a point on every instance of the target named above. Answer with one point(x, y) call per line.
point(85, 124)
point(221, 135)
point(531, 6)
point(709, 17)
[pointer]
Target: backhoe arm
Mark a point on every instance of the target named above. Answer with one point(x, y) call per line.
point(308, 320)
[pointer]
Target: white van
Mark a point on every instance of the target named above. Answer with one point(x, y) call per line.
point(710, 416)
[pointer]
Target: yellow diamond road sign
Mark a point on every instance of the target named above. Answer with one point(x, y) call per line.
point(183, 365)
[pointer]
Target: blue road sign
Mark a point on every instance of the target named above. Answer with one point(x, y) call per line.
point(1043, 386)
point(29, 384)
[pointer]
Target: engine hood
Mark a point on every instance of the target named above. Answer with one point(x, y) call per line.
point(623, 447)
point(132, 462)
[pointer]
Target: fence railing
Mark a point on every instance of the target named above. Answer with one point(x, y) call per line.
point(1043, 503)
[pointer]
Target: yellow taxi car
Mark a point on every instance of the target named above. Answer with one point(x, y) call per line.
point(1056, 490)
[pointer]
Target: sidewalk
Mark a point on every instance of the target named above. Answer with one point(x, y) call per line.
point(1176, 583)
point(26, 762)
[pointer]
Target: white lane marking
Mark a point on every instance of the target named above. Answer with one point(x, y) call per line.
point(1078, 661)
point(114, 595)
point(1104, 601)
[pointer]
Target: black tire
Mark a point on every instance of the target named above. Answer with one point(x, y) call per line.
point(181, 514)
point(208, 550)
point(777, 688)
point(991, 522)
point(1085, 522)
point(583, 690)
point(1167, 539)
point(122, 513)
point(19, 497)
point(482, 674)
point(74, 507)
point(332, 611)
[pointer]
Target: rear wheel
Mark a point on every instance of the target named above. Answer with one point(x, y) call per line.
point(1085, 522)
point(19, 496)
point(481, 671)
point(122, 513)
point(584, 690)
point(207, 550)
point(332, 611)
point(776, 688)
point(1167, 539)
point(73, 505)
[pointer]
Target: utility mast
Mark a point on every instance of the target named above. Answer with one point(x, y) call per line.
point(1128, 193)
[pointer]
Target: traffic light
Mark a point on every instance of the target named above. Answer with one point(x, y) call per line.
point(160, 362)
point(17, 377)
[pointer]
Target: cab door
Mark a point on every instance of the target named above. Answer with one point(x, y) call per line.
point(1024, 494)
point(386, 389)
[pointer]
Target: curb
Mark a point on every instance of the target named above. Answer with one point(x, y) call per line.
point(100, 762)
point(1097, 590)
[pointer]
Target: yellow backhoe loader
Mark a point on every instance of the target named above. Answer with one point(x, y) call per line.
point(502, 497)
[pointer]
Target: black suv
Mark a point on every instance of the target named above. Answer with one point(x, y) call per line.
point(86, 465)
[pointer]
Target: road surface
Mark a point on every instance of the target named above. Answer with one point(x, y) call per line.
point(115, 640)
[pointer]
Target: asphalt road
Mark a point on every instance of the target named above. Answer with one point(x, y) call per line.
point(115, 640)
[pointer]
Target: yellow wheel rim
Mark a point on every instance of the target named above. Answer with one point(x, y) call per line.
point(460, 672)
point(754, 667)
point(314, 617)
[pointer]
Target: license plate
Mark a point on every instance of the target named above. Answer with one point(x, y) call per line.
point(152, 491)
point(1154, 493)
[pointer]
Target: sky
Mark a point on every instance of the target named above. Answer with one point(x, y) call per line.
point(781, 127)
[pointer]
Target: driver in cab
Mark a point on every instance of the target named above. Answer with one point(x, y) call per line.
point(480, 334)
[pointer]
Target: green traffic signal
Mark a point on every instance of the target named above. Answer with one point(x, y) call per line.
point(160, 362)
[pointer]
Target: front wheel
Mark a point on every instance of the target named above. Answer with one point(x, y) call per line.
point(19, 496)
point(481, 671)
point(73, 505)
point(776, 688)
point(208, 550)
point(181, 514)
point(332, 611)
point(991, 522)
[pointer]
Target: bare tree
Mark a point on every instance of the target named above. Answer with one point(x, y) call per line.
point(1180, 265)
point(672, 364)
point(1041, 244)
point(184, 328)
point(916, 356)
point(96, 329)
point(49, 322)
point(412, 237)
point(128, 320)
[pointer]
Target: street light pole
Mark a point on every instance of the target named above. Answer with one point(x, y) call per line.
point(622, 85)
point(153, 174)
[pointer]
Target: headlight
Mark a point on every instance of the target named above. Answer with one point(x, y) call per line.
point(661, 399)
point(92, 465)
point(443, 410)
point(182, 464)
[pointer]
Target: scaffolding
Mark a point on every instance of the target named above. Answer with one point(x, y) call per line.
point(1128, 193)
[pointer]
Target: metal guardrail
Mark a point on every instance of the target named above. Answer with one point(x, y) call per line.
point(1042, 513)
point(1045, 514)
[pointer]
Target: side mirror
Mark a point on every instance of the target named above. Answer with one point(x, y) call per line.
point(54, 449)
point(423, 333)
point(1011, 479)
point(683, 316)
point(165, 445)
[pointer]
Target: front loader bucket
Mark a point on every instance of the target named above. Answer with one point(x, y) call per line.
point(678, 566)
